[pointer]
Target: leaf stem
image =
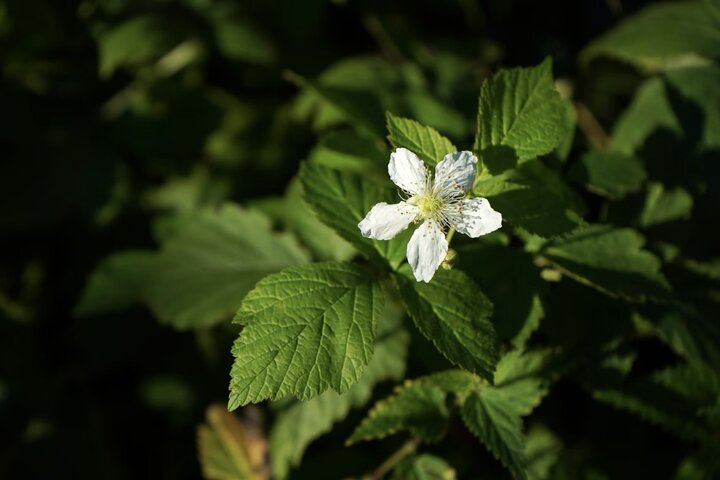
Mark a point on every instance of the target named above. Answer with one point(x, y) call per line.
point(407, 448)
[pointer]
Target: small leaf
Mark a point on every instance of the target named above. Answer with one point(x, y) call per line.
point(306, 329)
point(117, 283)
point(662, 206)
point(662, 36)
point(341, 200)
point(521, 116)
point(423, 467)
point(229, 450)
point(418, 407)
point(489, 416)
point(452, 312)
point(216, 256)
point(610, 260)
point(424, 141)
point(301, 423)
point(611, 174)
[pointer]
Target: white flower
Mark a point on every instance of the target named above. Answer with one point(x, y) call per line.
point(436, 204)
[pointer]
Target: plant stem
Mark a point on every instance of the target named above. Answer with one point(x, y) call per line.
point(402, 452)
point(450, 235)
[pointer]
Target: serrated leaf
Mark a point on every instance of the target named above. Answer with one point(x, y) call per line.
point(534, 198)
point(662, 36)
point(425, 142)
point(609, 259)
point(306, 329)
point(454, 314)
point(301, 423)
point(227, 450)
point(116, 283)
point(214, 258)
point(658, 405)
point(611, 174)
point(488, 415)
point(341, 200)
point(521, 116)
point(423, 467)
point(518, 376)
point(418, 407)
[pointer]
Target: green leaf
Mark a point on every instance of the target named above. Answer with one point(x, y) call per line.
point(297, 215)
point(306, 329)
point(610, 174)
point(226, 448)
point(424, 141)
point(423, 467)
point(521, 116)
point(518, 376)
point(134, 42)
point(513, 284)
point(238, 39)
point(116, 283)
point(490, 417)
point(662, 36)
point(346, 150)
point(662, 206)
point(341, 200)
point(542, 449)
point(418, 407)
point(610, 260)
point(534, 198)
point(203, 272)
point(453, 313)
point(301, 423)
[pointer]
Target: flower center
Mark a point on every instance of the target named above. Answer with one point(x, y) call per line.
point(430, 205)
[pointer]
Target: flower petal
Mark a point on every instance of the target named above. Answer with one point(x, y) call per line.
point(407, 171)
point(384, 221)
point(455, 174)
point(474, 217)
point(426, 250)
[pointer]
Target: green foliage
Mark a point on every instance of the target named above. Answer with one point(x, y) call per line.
point(610, 260)
point(521, 116)
point(608, 173)
point(424, 141)
point(662, 36)
point(454, 314)
point(302, 422)
point(212, 261)
point(306, 329)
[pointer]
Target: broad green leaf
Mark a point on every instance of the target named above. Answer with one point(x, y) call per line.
point(435, 113)
point(296, 214)
point(424, 141)
point(610, 174)
point(489, 416)
point(661, 36)
point(513, 284)
point(341, 200)
point(518, 376)
point(684, 102)
point(116, 283)
point(423, 467)
point(521, 116)
point(228, 450)
point(135, 41)
point(662, 206)
point(453, 313)
point(609, 259)
point(301, 423)
point(418, 407)
point(203, 272)
point(534, 198)
point(306, 329)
